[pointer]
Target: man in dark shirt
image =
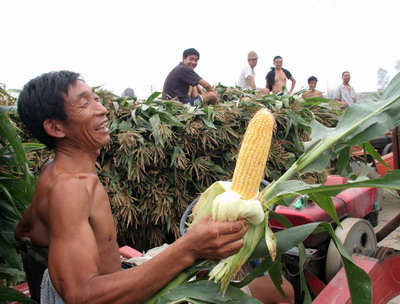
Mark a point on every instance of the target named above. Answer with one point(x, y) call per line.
point(183, 82)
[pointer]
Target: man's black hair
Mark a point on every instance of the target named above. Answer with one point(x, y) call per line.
point(312, 78)
point(277, 57)
point(345, 72)
point(42, 98)
point(191, 51)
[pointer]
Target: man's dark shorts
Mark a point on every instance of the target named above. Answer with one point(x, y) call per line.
point(193, 101)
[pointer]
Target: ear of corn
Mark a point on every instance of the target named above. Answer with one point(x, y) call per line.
point(253, 155)
point(231, 201)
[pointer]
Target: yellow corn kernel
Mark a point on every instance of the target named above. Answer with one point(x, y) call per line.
point(253, 155)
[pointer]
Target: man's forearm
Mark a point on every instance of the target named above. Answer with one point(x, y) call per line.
point(209, 88)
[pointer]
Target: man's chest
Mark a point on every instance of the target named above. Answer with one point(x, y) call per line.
point(280, 76)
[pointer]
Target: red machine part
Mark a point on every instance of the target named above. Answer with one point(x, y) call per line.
point(389, 160)
point(359, 201)
point(354, 202)
point(384, 274)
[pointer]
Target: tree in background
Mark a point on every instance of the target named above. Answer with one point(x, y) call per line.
point(383, 78)
point(397, 66)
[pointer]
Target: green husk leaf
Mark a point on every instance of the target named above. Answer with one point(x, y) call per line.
point(204, 291)
point(358, 281)
point(12, 295)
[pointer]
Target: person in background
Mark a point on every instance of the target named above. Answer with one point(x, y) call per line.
point(70, 213)
point(345, 93)
point(276, 78)
point(183, 82)
point(247, 75)
point(312, 92)
point(128, 92)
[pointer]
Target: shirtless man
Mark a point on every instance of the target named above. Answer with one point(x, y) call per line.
point(71, 215)
point(312, 91)
point(276, 78)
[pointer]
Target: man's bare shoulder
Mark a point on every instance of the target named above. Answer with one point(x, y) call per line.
point(55, 190)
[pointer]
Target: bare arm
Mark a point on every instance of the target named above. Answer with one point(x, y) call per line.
point(206, 85)
point(75, 262)
point(293, 85)
point(251, 81)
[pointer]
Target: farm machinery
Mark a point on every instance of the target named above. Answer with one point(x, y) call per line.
point(357, 209)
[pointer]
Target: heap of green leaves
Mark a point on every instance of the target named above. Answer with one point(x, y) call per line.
point(164, 154)
point(16, 189)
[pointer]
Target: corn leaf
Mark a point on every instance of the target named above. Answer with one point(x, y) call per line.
point(295, 187)
point(8, 253)
point(168, 118)
point(155, 124)
point(152, 97)
point(13, 295)
point(8, 131)
point(315, 101)
point(303, 283)
point(29, 147)
point(12, 274)
point(204, 291)
point(358, 281)
point(8, 209)
point(208, 122)
point(371, 151)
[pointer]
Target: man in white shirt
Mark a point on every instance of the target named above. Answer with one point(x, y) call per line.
point(247, 76)
point(345, 93)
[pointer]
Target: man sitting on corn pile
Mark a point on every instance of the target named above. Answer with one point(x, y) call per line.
point(184, 84)
point(71, 215)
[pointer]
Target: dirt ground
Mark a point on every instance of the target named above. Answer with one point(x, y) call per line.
point(391, 207)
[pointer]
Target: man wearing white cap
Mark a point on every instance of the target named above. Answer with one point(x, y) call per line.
point(247, 76)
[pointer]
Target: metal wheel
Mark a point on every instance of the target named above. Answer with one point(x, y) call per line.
point(357, 236)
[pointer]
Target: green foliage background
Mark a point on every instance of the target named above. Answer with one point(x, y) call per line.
point(162, 155)
point(16, 189)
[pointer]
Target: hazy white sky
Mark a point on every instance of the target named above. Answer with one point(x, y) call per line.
point(122, 44)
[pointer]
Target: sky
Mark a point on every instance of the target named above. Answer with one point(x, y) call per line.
point(127, 43)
